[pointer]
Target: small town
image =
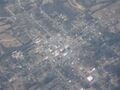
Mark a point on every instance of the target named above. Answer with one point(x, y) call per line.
point(59, 44)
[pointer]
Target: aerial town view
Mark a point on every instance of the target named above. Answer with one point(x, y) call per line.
point(59, 44)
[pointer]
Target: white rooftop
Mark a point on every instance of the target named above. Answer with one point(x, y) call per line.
point(89, 78)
